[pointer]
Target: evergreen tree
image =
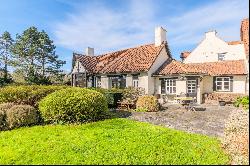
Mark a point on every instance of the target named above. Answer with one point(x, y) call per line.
point(6, 43)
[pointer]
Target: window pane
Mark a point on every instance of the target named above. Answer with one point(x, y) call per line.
point(219, 79)
point(174, 83)
point(219, 87)
point(174, 89)
point(219, 83)
point(226, 79)
point(226, 87)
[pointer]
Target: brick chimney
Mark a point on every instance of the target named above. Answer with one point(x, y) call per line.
point(89, 51)
point(244, 35)
point(160, 36)
point(184, 55)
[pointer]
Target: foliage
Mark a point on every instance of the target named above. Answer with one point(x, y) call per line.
point(109, 142)
point(242, 101)
point(26, 94)
point(73, 105)
point(236, 137)
point(132, 93)
point(147, 102)
point(141, 110)
point(6, 43)
point(112, 95)
point(35, 56)
point(3, 109)
point(21, 115)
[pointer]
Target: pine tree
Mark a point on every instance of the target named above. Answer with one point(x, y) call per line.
point(6, 43)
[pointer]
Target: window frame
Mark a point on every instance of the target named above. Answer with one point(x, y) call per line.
point(222, 84)
point(193, 86)
point(171, 85)
point(221, 56)
point(135, 81)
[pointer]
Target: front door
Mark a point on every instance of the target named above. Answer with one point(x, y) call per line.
point(192, 88)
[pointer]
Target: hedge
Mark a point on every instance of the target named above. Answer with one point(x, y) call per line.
point(26, 94)
point(73, 105)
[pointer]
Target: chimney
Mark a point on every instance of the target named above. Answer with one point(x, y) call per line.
point(89, 51)
point(160, 36)
point(184, 55)
point(210, 34)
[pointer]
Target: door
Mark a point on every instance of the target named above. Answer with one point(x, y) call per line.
point(192, 88)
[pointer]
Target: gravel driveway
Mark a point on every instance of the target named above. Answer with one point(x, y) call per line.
point(209, 122)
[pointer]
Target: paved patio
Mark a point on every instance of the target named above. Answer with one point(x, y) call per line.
point(209, 122)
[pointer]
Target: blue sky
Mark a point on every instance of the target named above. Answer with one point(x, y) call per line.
point(110, 25)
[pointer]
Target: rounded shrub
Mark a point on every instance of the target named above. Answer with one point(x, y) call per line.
point(73, 105)
point(148, 103)
point(26, 94)
point(21, 115)
point(3, 109)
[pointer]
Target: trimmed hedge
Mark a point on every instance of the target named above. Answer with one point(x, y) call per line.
point(112, 95)
point(148, 103)
point(73, 105)
point(21, 115)
point(3, 118)
point(26, 94)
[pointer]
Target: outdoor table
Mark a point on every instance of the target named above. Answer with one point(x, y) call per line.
point(184, 100)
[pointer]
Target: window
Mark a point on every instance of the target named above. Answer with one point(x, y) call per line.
point(135, 81)
point(191, 86)
point(170, 86)
point(221, 56)
point(222, 83)
point(118, 81)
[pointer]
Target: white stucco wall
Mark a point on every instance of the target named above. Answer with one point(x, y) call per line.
point(207, 82)
point(210, 46)
point(81, 68)
point(239, 84)
point(162, 57)
point(105, 82)
point(143, 81)
point(129, 79)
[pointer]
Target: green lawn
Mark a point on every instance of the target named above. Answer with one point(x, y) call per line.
point(116, 141)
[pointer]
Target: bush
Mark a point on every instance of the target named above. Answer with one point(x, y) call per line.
point(147, 102)
point(28, 95)
point(21, 115)
point(132, 93)
point(112, 95)
point(236, 137)
point(242, 102)
point(3, 109)
point(73, 105)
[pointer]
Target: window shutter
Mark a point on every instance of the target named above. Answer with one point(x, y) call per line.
point(163, 87)
point(231, 83)
point(214, 83)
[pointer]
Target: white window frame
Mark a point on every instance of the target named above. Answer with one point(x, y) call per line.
point(222, 84)
point(191, 86)
point(169, 84)
point(135, 81)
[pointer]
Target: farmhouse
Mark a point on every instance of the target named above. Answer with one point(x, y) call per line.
point(214, 67)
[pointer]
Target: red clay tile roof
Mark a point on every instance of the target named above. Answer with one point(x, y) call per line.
point(89, 61)
point(135, 59)
point(234, 42)
point(244, 34)
point(172, 67)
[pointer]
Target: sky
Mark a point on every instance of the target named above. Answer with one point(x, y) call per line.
point(111, 25)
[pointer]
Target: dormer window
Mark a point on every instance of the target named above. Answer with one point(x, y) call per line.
point(221, 56)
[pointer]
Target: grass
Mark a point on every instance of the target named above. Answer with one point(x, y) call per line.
point(115, 141)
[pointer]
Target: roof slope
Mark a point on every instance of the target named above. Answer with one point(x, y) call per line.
point(135, 59)
point(172, 67)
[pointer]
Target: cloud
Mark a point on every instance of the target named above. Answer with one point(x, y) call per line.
point(107, 29)
point(222, 16)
